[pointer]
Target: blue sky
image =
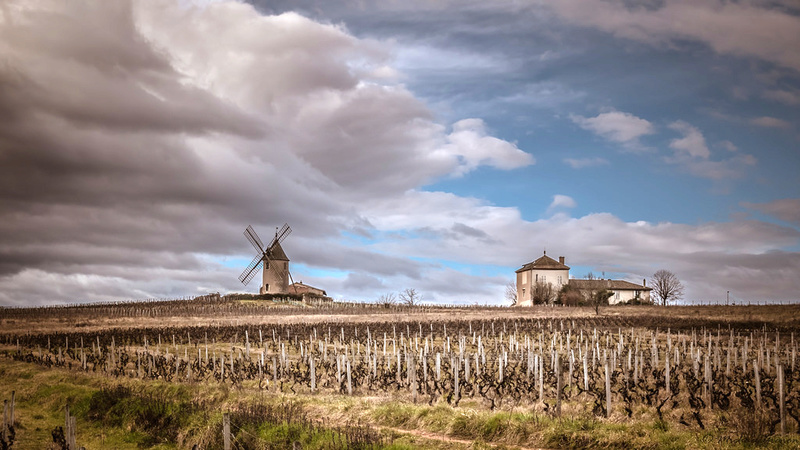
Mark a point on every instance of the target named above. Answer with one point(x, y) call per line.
point(433, 145)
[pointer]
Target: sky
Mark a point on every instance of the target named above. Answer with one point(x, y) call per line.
point(433, 145)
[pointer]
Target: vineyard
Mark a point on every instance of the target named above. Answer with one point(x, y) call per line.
point(736, 380)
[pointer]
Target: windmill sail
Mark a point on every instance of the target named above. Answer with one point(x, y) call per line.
point(251, 270)
point(274, 273)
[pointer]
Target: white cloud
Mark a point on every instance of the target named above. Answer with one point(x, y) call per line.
point(770, 122)
point(692, 143)
point(616, 126)
point(139, 136)
point(787, 209)
point(580, 163)
point(473, 147)
point(705, 256)
point(691, 152)
point(561, 202)
point(759, 30)
point(136, 150)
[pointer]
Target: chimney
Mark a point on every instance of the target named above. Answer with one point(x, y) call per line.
point(561, 259)
point(644, 282)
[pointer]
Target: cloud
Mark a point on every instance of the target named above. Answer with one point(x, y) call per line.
point(767, 31)
point(135, 149)
point(580, 163)
point(692, 144)
point(470, 144)
point(789, 97)
point(728, 145)
point(616, 126)
point(691, 152)
point(770, 122)
point(561, 202)
point(787, 209)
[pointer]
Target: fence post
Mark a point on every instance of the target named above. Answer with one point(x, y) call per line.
point(226, 431)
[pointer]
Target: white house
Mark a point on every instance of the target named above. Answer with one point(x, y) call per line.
point(544, 270)
point(547, 271)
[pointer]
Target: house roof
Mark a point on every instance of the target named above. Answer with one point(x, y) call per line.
point(276, 252)
point(543, 263)
point(619, 285)
point(300, 285)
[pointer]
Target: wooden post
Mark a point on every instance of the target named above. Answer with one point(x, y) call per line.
point(608, 392)
point(541, 378)
point(558, 385)
point(456, 370)
point(585, 372)
point(226, 431)
point(349, 380)
point(781, 399)
point(13, 404)
point(313, 374)
point(5, 423)
point(758, 384)
point(413, 375)
point(70, 425)
point(73, 427)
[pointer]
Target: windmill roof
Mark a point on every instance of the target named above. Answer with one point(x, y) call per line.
point(619, 285)
point(276, 252)
point(544, 262)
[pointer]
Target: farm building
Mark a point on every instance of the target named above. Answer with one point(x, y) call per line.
point(300, 288)
point(545, 277)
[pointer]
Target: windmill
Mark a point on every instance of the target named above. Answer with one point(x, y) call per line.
point(276, 276)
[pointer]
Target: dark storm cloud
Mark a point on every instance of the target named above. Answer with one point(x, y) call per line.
point(139, 139)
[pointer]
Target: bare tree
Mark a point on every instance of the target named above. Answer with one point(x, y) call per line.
point(410, 297)
point(542, 293)
point(511, 292)
point(666, 286)
point(387, 300)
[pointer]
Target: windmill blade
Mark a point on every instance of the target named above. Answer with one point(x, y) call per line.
point(251, 236)
point(250, 270)
point(285, 230)
point(292, 280)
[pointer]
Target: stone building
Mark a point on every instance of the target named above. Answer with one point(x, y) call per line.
point(547, 275)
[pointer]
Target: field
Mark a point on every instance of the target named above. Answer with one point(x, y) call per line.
point(178, 374)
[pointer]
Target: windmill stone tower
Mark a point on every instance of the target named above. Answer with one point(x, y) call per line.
point(275, 281)
point(275, 276)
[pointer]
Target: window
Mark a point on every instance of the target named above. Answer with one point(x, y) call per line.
point(266, 287)
point(524, 277)
point(560, 282)
point(266, 265)
point(616, 295)
point(544, 278)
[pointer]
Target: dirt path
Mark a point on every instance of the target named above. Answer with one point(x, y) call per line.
point(448, 439)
